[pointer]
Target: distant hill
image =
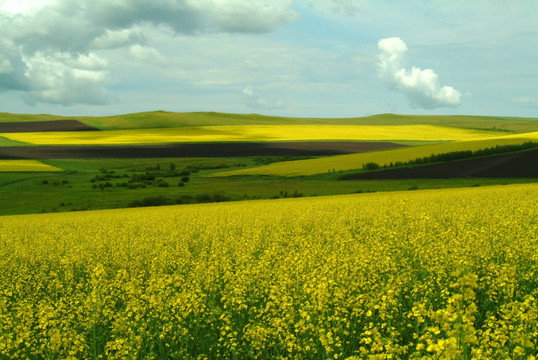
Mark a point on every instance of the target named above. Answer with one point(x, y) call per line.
point(164, 119)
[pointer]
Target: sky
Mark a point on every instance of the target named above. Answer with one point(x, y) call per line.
point(300, 58)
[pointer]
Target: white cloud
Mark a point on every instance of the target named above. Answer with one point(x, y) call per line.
point(63, 79)
point(420, 86)
point(147, 55)
point(525, 100)
point(246, 16)
point(253, 100)
point(113, 39)
point(21, 7)
point(49, 47)
point(5, 66)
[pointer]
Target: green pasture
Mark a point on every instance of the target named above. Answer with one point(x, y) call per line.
point(71, 190)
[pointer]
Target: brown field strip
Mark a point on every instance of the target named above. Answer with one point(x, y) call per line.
point(516, 165)
point(193, 150)
point(44, 126)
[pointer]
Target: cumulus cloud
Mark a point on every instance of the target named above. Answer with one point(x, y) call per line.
point(147, 54)
point(113, 39)
point(420, 86)
point(49, 48)
point(253, 100)
point(66, 79)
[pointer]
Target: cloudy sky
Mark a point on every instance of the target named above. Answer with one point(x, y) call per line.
point(322, 58)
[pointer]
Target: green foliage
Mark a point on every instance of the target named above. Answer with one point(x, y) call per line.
point(370, 166)
point(152, 201)
point(467, 154)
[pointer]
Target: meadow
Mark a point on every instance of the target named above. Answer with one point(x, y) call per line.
point(79, 185)
point(433, 274)
point(253, 136)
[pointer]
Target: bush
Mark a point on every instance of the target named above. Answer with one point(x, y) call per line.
point(370, 166)
point(163, 183)
point(185, 199)
point(151, 201)
point(185, 179)
point(203, 198)
point(220, 197)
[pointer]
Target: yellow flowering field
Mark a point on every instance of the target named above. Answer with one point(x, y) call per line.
point(26, 165)
point(438, 274)
point(252, 133)
point(384, 157)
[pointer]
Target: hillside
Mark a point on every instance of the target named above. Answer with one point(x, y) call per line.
point(163, 119)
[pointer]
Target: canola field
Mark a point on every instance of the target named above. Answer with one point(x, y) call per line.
point(26, 165)
point(384, 157)
point(442, 274)
point(252, 133)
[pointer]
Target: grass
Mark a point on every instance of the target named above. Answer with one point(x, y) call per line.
point(384, 157)
point(34, 192)
point(160, 119)
point(252, 133)
point(164, 119)
point(8, 142)
point(26, 166)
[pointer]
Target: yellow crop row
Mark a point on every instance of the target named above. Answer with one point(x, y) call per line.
point(442, 274)
point(26, 165)
point(385, 157)
point(252, 133)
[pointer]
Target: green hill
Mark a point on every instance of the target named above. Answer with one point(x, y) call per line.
point(164, 119)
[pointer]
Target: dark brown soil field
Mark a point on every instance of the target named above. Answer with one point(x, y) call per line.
point(193, 150)
point(44, 126)
point(517, 165)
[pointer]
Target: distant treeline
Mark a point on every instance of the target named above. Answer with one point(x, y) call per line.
point(184, 199)
point(459, 155)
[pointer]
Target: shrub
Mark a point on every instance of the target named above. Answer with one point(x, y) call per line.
point(370, 166)
point(185, 199)
point(163, 183)
point(203, 198)
point(217, 197)
point(151, 201)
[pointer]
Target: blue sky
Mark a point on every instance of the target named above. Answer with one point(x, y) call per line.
point(332, 58)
